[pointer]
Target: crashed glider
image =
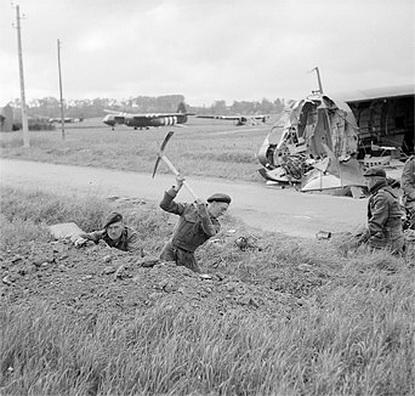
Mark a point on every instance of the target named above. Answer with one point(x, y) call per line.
point(313, 145)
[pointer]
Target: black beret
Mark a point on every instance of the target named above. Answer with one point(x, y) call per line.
point(220, 197)
point(374, 172)
point(112, 218)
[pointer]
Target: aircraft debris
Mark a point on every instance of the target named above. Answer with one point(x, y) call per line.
point(64, 230)
point(314, 144)
point(322, 143)
point(323, 235)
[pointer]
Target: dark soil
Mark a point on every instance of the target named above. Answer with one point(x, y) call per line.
point(96, 279)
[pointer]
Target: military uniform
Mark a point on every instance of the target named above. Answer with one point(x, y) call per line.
point(408, 187)
point(193, 229)
point(384, 217)
point(128, 241)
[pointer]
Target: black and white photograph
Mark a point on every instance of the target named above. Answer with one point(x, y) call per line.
point(207, 197)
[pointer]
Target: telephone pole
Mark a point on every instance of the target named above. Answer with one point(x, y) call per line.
point(60, 90)
point(25, 127)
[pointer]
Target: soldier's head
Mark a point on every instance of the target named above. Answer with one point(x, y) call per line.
point(374, 176)
point(114, 225)
point(218, 204)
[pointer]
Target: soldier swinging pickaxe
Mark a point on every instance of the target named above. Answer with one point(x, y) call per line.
point(161, 156)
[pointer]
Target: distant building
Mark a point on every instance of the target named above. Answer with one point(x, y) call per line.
point(6, 119)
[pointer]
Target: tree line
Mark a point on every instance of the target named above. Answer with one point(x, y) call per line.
point(49, 107)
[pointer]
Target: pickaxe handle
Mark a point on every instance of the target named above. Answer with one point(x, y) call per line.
point(176, 172)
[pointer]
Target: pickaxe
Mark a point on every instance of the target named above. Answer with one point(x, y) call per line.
point(161, 156)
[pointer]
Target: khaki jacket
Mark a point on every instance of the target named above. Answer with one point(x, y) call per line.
point(128, 241)
point(194, 227)
point(384, 217)
point(408, 180)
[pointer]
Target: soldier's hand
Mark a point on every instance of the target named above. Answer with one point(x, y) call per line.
point(78, 241)
point(179, 181)
point(74, 238)
point(201, 207)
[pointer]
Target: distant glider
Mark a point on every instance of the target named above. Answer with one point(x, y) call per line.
point(66, 120)
point(146, 120)
point(239, 120)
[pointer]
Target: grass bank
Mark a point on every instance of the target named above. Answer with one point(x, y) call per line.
point(351, 331)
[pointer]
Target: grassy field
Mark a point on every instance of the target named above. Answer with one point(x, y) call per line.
point(213, 148)
point(351, 328)
point(348, 327)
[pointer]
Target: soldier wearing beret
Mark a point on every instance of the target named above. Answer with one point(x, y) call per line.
point(197, 223)
point(408, 187)
point(384, 215)
point(115, 233)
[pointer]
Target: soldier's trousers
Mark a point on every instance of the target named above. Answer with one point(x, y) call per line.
point(410, 210)
point(179, 256)
point(391, 239)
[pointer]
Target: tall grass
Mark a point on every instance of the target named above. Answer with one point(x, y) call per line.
point(25, 215)
point(356, 345)
point(350, 328)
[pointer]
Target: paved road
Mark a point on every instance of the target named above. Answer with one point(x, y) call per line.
point(258, 205)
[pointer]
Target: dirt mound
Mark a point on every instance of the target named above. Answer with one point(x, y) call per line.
point(97, 279)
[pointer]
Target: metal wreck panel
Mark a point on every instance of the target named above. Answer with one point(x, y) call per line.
point(318, 138)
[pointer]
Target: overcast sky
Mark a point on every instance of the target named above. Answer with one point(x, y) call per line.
point(206, 50)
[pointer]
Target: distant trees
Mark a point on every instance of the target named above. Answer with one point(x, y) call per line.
point(219, 107)
point(90, 108)
point(243, 107)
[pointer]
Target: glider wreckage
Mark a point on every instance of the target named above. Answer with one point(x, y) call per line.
point(318, 144)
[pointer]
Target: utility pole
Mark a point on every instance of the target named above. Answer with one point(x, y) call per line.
point(60, 90)
point(26, 140)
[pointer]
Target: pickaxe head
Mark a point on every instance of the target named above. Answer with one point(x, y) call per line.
point(161, 152)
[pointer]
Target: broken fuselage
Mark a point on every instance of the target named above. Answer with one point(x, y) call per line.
point(315, 145)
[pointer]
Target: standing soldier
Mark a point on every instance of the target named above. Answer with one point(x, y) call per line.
point(408, 187)
point(198, 222)
point(384, 216)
